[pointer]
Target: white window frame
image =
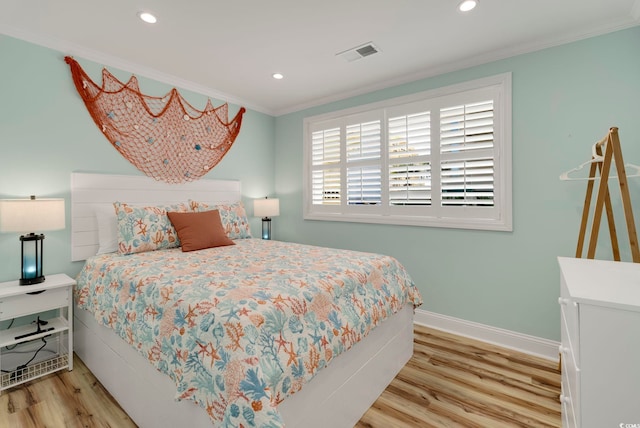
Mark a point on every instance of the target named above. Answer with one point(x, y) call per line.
point(498, 217)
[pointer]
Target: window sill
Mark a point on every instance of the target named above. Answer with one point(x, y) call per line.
point(423, 221)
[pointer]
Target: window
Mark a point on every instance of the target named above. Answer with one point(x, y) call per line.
point(438, 158)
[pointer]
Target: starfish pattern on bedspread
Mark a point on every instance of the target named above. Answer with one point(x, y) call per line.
point(240, 328)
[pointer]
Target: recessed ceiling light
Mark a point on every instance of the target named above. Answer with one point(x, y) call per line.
point(467, 5)
point(147, 17)
point(278, 76)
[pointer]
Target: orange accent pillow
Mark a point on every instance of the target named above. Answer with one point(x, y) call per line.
point(199, 230)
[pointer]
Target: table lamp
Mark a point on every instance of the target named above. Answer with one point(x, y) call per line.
point(29, 216)
point(266, 208)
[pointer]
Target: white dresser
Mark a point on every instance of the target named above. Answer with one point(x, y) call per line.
point(600, 306)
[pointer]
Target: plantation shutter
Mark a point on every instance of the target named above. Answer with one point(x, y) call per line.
point(364, 179)
point(325, 165)
point(409, 159)
point(440, 158)
point(467, 155)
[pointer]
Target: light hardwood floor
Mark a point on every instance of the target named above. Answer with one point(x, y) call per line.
point(451, 381)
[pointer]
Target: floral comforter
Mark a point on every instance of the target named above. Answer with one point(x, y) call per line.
point(239, 328)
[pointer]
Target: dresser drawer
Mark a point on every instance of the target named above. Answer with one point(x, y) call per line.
point(26, 304)
point(568, 414)
point(570, 388)
point(569, 338)
point(570, 315)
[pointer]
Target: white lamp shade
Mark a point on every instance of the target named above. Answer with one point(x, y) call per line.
point(31, 215)
point(266, 207)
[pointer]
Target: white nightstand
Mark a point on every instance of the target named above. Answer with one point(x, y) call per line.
point(55, 293)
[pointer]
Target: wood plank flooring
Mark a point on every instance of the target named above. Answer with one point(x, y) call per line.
point(451, 381)
point(65, 399)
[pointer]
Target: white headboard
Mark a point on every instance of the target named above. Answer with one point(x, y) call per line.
point(91, 190)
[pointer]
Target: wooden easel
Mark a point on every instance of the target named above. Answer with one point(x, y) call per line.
point(602, 163)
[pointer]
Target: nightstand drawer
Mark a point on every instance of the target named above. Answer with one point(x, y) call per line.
point(26, 304)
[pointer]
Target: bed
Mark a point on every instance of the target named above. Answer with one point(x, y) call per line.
point(245, 331)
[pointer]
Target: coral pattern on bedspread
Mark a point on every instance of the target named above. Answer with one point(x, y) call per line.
point(240, 328)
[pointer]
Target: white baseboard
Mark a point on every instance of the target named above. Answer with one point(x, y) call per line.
point(532, 345)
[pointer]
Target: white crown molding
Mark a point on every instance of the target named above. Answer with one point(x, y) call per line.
point(468, 62)
point(113, 61)
point(79, 51)
point(544, 348)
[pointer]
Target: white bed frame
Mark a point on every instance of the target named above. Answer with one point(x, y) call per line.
point(337, 397)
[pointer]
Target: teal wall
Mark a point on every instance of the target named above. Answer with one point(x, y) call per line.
point(564, 99)
point(46, 133)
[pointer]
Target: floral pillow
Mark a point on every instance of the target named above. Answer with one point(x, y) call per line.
point(143, 229)
point(233, 216)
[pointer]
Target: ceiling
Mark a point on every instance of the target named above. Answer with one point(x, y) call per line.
point(229, 49)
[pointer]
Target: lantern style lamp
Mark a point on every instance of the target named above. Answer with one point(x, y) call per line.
point(266, 208)
point(29, 216)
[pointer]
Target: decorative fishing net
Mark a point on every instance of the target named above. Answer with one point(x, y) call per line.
point(164, 137)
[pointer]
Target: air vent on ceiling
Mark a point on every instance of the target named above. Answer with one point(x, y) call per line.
point(358, 52)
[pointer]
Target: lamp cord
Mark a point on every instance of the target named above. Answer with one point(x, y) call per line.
point(11, 348)
point(36, 353)
point(24, 366)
